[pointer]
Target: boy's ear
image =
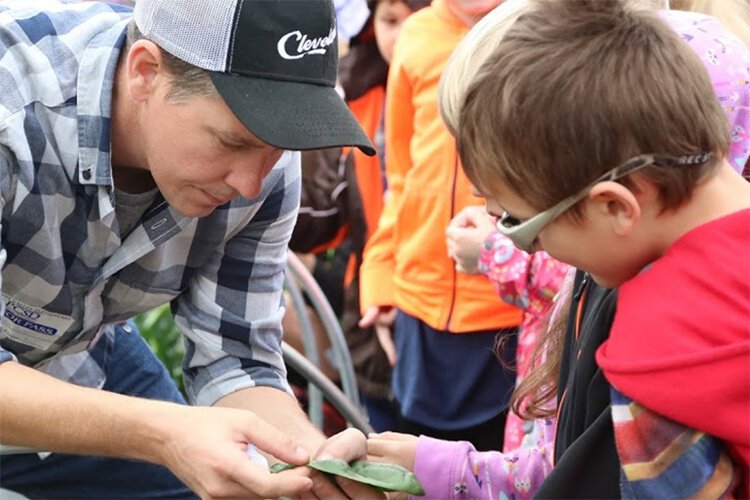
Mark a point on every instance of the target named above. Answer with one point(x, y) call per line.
point(616, 203)
point(145, 69)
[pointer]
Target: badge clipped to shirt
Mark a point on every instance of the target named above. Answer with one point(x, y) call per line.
point(31, 325)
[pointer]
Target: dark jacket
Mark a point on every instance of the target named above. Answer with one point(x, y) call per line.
point(586, 461)
point(342, 196)
point(331, 208)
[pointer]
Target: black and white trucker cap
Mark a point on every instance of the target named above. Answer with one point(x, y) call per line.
point(273, 62)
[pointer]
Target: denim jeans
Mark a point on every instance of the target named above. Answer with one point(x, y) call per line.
point(131, 369)
point(381, 412)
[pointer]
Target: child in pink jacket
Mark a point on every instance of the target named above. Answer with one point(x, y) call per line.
point(527, 281)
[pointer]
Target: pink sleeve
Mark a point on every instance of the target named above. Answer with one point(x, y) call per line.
point(454, 469)
point(529, 281)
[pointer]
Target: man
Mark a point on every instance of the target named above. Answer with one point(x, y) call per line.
point(144, 161)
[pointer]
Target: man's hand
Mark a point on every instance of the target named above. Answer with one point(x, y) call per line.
point(382, 318)
point(393, 448)
point(348, 445)
point(465, 236)
point(207, 449)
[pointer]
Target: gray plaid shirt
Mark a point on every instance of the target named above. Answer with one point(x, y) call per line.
point(67, 277)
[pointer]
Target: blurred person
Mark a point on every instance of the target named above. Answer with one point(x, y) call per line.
point(735, 16)
point(528, 281)
point(342, 198)
point(446, 380)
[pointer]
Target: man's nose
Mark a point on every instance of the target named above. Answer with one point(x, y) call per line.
point(246, 176)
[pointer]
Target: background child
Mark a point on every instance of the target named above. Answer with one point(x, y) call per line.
point(446, 379)
point(342, 196)
point(528, 281)
point(735, 16)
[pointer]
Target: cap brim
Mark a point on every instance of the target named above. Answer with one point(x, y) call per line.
point(292, 115)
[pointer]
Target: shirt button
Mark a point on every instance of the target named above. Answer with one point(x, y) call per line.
point(87, 174)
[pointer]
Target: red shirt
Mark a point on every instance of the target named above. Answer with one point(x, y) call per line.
point(680, 341)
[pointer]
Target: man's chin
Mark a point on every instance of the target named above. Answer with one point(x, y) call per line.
point(194, 211)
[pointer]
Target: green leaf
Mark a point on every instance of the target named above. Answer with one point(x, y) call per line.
point(387, 477)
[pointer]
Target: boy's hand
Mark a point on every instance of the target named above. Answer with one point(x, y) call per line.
point(465, 236)
point(393, 448)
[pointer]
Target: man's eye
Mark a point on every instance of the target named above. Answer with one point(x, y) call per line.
point(230, 145)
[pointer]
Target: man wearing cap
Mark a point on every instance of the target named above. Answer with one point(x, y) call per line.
point(146, 159)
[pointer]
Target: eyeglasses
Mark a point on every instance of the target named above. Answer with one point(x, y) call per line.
point(524, 234)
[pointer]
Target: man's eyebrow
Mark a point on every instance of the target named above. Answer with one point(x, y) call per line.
point(232, 138)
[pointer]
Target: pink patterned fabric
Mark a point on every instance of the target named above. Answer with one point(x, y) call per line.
point(529, 282)
point(727, 60)
point(455, 470)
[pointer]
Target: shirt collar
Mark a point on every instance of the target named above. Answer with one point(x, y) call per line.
point(94, 105)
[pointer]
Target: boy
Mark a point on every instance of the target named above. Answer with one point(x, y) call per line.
point(620, 166)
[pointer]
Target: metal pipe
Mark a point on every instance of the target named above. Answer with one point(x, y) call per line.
point(350, 411)
point(314, 396)
point(331, 325)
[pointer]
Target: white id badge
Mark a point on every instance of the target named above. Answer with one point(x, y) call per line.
point(31, 325)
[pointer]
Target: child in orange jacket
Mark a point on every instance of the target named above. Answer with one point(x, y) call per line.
point(446, 378)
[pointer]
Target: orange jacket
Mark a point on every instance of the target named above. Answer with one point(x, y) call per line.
point(406, 261)
point(368, 110)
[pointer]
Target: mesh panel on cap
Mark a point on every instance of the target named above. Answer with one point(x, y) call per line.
point(196, 31)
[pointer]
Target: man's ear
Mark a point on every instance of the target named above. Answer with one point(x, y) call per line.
point(616, 203)
point(145, 69)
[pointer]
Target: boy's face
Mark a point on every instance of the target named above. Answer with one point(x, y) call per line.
point(607, 241)
point(387, 20)
point(200, 156)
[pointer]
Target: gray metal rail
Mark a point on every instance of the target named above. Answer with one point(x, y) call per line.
point(314, 396)
point(350, 411)
point(330, 324)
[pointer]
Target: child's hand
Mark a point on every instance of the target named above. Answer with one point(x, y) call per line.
point(392, 448)
point(381, 318)
point(465, 236)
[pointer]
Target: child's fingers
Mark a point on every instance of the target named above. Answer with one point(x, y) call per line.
point(368, 319)
point(386, 342)
point(383, 451)
point(379, 447)
point(388, 445)
point(391, 436)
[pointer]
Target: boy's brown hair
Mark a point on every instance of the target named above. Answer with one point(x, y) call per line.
point(577, 87)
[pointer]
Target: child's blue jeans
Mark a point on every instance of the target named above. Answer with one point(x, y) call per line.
point(131, 369)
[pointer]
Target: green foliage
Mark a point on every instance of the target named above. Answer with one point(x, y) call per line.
point(158, 328)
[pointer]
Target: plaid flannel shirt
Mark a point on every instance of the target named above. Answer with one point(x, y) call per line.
point(67, 277)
